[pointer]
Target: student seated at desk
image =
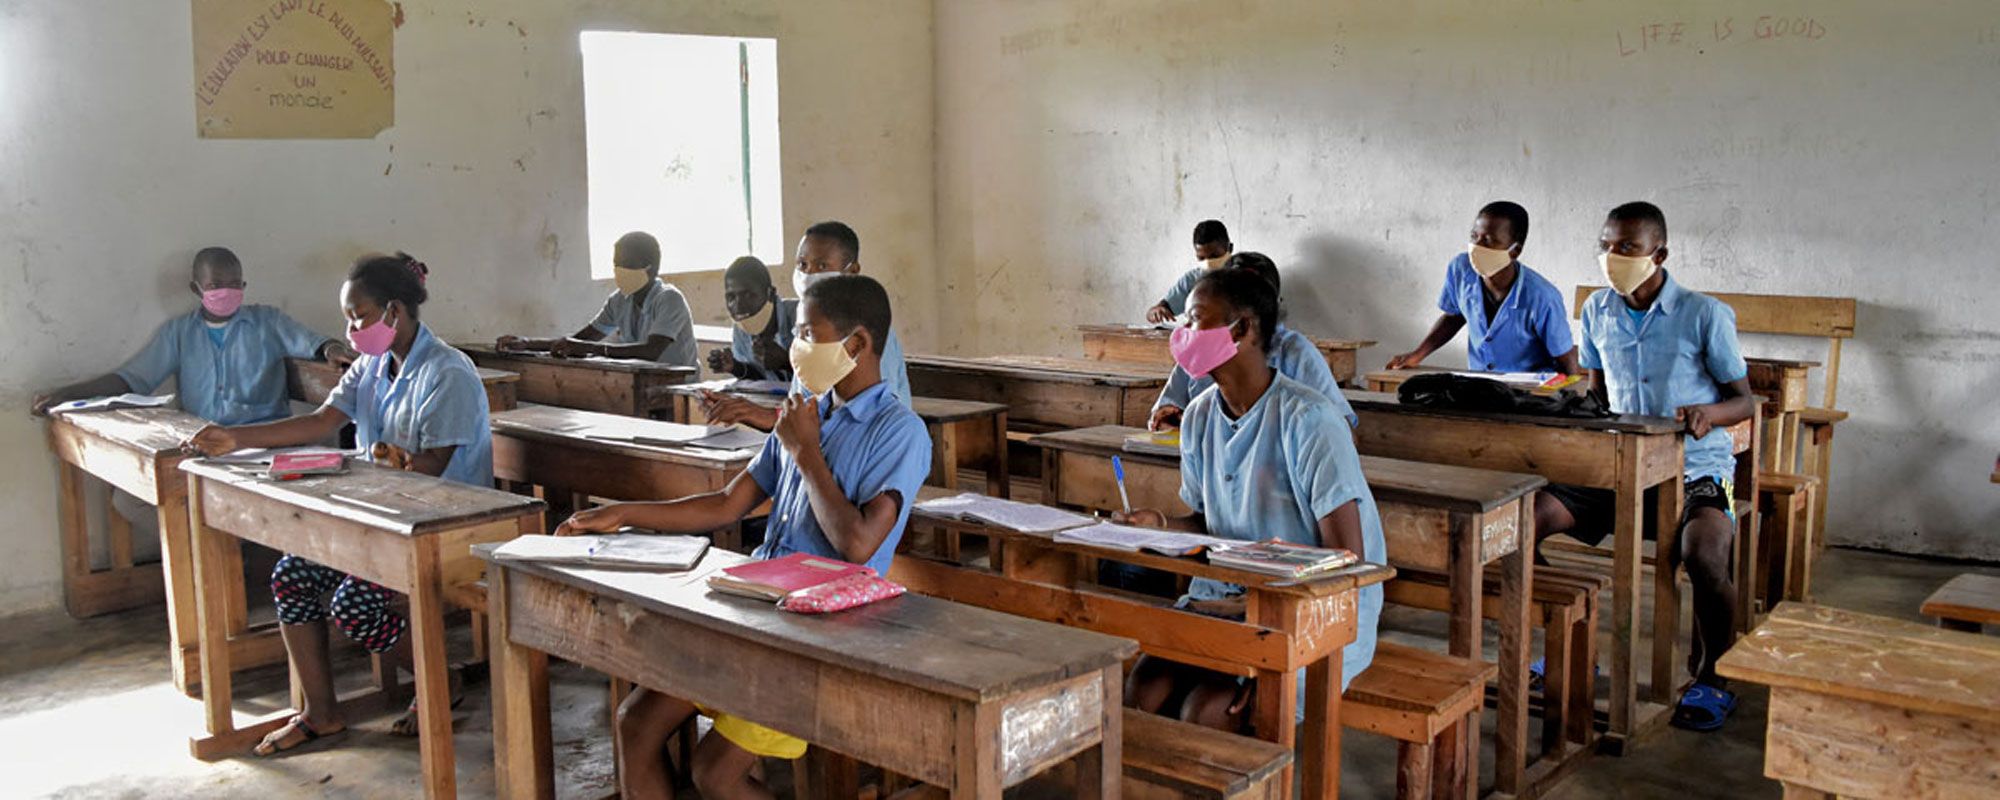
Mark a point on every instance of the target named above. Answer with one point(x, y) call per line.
point(417, 404)
point(1656, 348)
point(1262, 456)
point(841, 470)
point(828, 249)
point(1211, 248)
point(1291, 353)
point(644, 318)
point(761, 338)
point(1519, 322)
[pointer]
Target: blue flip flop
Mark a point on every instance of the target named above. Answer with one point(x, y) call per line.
point(1538, 672)
point(1704, 708)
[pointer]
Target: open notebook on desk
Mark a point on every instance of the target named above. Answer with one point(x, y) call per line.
point(1009, 514)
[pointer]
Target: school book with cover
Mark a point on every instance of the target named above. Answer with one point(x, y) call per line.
point(630, 548)
point(772, 579)
point(1283, 559)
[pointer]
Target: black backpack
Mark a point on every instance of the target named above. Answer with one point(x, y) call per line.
point(1467, 393)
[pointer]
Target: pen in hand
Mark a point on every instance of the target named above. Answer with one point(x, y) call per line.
point(1118, 471)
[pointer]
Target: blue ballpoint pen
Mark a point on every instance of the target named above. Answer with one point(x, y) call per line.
point(1118, 471)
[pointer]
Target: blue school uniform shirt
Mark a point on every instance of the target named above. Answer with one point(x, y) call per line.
point(661, 310)
point(1273, 473)
point(873, 444)
point(1292, 354)
point(787, 317)
point(238, 381)
point(1678, 353)
point(436, 400)
point(895, 375)
point(1177, 295)
point(1529, 329)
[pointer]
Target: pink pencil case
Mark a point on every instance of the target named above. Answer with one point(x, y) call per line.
point(292, 464)
point(855, 590)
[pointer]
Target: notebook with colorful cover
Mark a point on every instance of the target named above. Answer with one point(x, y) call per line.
point(772, 579)
point(1283, 559)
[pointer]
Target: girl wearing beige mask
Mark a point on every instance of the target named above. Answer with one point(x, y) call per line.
point(1518, 319)
point(1211, 248)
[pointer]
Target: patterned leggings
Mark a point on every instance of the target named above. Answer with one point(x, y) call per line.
point(360, 608)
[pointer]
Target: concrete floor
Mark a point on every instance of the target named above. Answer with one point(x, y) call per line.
point(86, 710)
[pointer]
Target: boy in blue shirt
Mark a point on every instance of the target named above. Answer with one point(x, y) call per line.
point(1518, 317)
point(1655, 348)
point(841, 469)
point(761, 336)
point(1262, 456)
point(827, 249)
point(1211, 247)
point(644, 318)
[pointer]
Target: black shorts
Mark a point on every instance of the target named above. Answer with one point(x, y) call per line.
point(1594, 510)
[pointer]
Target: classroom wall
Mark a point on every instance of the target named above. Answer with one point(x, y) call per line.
point(105, 192)
point(1840, 147)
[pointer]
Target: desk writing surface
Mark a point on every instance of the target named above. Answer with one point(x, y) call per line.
point(154, 431)
point(941, 646)
point(585, 429)
point(1619, 423)
point(480, 352)
point(1051, 368)
point(1389, 479)
point(1833, 651)
point(1161, 334)
point(931, 409)
point(416, 504)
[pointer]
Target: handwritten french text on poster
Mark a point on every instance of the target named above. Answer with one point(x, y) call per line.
point(293, 69)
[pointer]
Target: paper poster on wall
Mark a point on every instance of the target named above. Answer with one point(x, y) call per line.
point(293, 69)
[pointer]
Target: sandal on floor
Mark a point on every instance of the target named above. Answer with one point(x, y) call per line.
point(1703, 708)
point(1538, 674)
point(270, 746)
point(407, 725)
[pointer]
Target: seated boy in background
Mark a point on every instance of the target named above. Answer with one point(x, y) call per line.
point(1211, 248)
point(1655, 348)
point(645, 318)
point(841, 469)
point(1518, 317)
point(761, 336)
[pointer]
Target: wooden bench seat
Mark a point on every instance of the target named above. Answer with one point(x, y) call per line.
point(1789, 503)
point(1430, 704)
point(1965, 603)
point(1169, 758)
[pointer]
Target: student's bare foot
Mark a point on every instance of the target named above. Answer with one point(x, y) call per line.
point(406, 725)
point(296, 733)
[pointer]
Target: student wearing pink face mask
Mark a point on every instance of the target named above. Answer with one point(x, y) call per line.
point(227, 359)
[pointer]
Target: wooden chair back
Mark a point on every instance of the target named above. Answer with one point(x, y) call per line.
point(1830, 318)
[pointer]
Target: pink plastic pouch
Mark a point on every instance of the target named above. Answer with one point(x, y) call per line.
point(842, 594)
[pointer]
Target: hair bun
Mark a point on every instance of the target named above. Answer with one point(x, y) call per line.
point(417, 268)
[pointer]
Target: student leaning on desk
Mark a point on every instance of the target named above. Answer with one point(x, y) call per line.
point(1517, 318)
point(843, 464)
point(644, 318)
point(419, 405)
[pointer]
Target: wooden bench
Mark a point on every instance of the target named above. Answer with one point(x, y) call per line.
point(1965, 603)
point(1170, 758)
point(1430, 704)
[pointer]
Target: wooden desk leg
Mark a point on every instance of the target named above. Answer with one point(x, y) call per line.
point(1510, 738)
point(975, 771)
point(211, 551)
point(832, 776)
point(177, 563)
point(433, 684)
point(1794, 791)
point(1321, 776)
point(1277, 692)
point(998, 482)
point(1100, 769)
point(1468, 578)
point(1628, 507)
point(73, 525)
point(1822, 456)
point(1666, 589)
point(117, 533)
point(523, 757)
point(944, 455)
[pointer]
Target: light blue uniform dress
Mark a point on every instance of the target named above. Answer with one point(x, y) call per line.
point(436, 400)
point(240, 380)
point(1529, 329)
point(1678, 353)
point(895, 375)
point(1176, 298)
point(1291, 354)
point(660, 310)
point(1272, 474)
point(873, 444)
point(786, 315)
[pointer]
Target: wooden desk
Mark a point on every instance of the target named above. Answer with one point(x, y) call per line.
point(626, 386)
point(561, 450)
point(1627, 454)
point(1440, 519)
point(138, 451)
point(310, 381)
point(1965, 603)
point(1783, 384)
point(1390, 380)
point(1146, 345)
point(1865, 706)
point(954, 696)
point(1286, 628)
point(963, 432)
point(1045, 393)
point(409, 532)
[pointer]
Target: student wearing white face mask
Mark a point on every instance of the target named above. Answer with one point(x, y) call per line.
point(827, 249)
point(1518, 317)
point(1211, 247)
point(645, 318)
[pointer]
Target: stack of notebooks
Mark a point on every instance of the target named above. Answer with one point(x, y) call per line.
point(1283, 559)
point(1009, 514)
point(1164, 443)
point(631, 549)
point(772, 579)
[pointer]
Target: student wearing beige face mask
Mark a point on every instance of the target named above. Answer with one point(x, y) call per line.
point(1211, 248)
point(1517, 316)
point(644, 318)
